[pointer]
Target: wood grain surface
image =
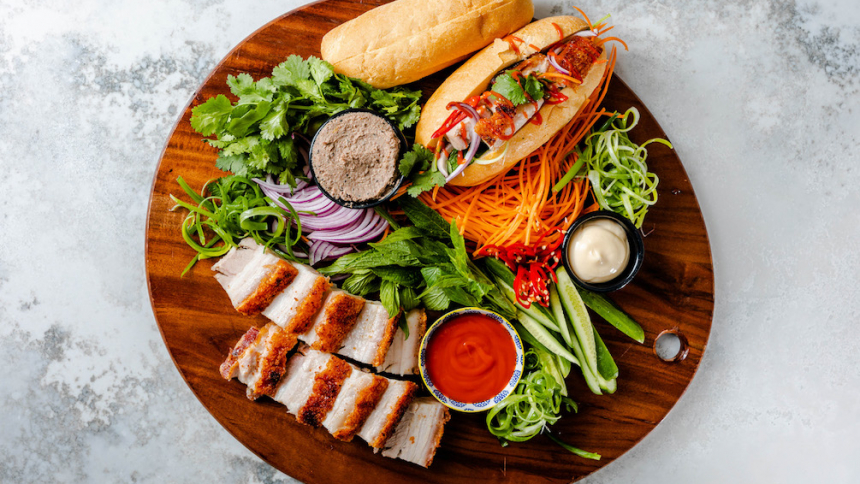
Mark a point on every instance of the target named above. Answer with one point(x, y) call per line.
point(674, 289)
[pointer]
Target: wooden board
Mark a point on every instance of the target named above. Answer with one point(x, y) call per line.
point(674, 289)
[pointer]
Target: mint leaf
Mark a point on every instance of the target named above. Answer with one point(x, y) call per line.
point(506, 86)
point(361, 283)
point(425, 218)
point(435, 299)
point(399, 275)
point(389, 296)
point(211, 116)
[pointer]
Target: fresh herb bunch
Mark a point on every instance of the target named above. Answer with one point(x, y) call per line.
point(231, 208)
point(426, 263)
point(253, 133)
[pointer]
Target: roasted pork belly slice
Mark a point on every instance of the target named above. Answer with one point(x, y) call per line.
point(402, 356)
point(297, 385)
point(253, 276)
point(419, 432)
point(358, 397)
point(334, 321)
point(384, 418)
point(259, 359)
point(295, 307)
point(369, 340)
point(326, 387)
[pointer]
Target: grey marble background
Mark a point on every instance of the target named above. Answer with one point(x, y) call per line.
point(760, 98)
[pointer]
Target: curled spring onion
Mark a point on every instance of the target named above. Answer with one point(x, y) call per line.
point(535, 404)
point(230, 209)
point(616, 168)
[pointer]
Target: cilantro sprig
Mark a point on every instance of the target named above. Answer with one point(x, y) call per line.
point(253, 133)
point(516, 92)
point(418, 165)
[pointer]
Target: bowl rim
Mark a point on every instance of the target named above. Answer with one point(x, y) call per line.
point(495, 399)
point(634, 240)
point(370, 203)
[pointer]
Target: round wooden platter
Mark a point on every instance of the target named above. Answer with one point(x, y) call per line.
point(674, 289)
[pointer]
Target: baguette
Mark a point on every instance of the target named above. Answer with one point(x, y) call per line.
point(473, 77)
point(406, 40)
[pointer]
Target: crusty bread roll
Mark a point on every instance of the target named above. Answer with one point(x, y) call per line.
point(473, 77)
point(406, 40)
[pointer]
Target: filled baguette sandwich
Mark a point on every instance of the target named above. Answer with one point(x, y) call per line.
point(510, 98)
point(407, 40)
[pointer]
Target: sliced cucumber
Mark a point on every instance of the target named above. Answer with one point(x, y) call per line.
point(543, 335)
point(605, 364)
point(558, 313)
point(535, 312)
point(579, 319)
point(590, 379)
point(614, 315)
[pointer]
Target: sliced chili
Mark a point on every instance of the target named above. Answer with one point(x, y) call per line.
point(534, 265)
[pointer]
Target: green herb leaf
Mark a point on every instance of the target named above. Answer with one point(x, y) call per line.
point(361, 283)
point(398, 275)
point(418, 158)
point(435, 299)
point(534, 88)
point(210, 117)
point(507, 86)
point(425, 182)
point(389, 296)
point(425, 218)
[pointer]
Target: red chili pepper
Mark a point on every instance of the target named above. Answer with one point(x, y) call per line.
point(533, 265)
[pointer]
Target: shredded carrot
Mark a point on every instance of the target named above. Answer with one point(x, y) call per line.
point(584, 16)
point(561, 76)
point(616, 39)
point(519, 205)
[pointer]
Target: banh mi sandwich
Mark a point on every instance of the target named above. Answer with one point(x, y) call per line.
point(406, 40)
point(322, 390)
point(510, 98)
point(325, 318)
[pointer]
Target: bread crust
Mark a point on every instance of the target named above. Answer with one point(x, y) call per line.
point(406, 40)
point(473, 77)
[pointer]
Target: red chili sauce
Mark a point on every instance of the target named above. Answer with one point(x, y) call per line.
point(471, 358)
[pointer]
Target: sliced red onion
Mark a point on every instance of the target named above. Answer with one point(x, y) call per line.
point(466, 109)
point(585, 33)
point(474, 144)
point(558, 67)
point(369, 233)
point(442, 164)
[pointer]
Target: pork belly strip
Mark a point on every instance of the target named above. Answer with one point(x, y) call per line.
point(253, 276)
point(259, 359)
point(298, 383)
point(281, 274)
point(386, 415)
point(402, 356)
point(230, 368)
point(369, 340)
point(419, 432)
point(334, 321)
point(295, 307)
point(327, 384)
point(357, 399)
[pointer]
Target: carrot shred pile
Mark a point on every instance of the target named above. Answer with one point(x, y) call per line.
point(519, 206)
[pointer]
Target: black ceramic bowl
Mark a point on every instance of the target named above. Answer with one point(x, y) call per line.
point(368, 203)
point(634, 240)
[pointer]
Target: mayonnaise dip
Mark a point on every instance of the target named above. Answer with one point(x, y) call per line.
point(598, 251)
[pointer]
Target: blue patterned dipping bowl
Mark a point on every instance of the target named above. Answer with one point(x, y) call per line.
point(471, 406)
